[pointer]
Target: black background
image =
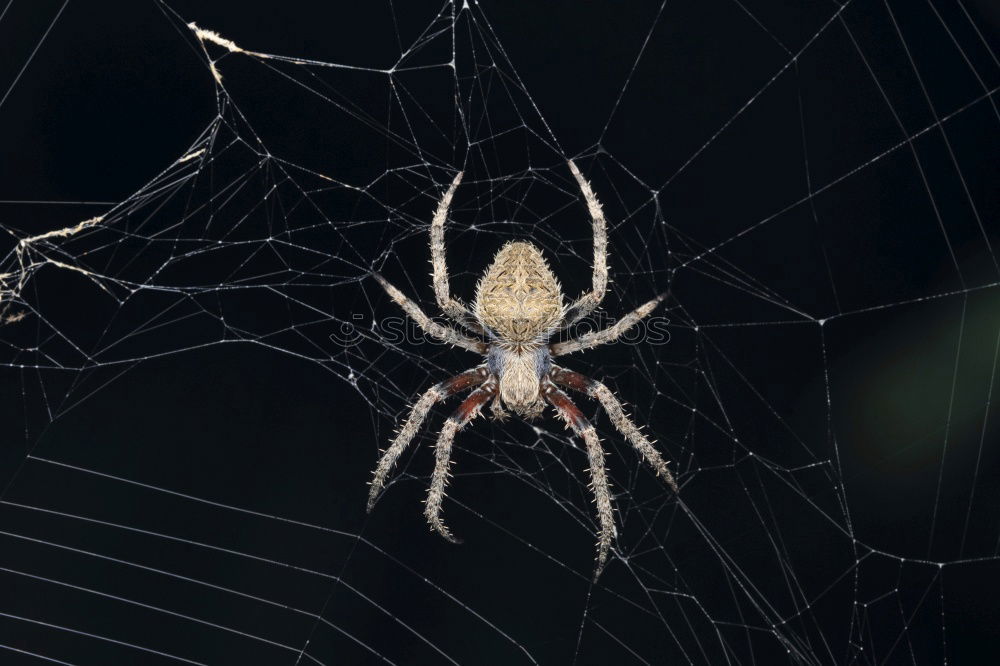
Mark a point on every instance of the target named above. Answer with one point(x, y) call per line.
point(118, 91)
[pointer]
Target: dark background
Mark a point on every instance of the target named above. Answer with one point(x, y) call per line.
point(827, 468)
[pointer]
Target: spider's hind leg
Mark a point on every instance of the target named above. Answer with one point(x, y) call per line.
point(442, 291)
point(590, 300)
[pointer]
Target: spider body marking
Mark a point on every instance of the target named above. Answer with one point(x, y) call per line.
point(519, 304)
point(518, 307)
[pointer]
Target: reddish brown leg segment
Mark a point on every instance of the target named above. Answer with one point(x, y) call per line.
point(442, 455)
point(598, 474)
point(418, 413)
point(623, 423)
point(570, 379)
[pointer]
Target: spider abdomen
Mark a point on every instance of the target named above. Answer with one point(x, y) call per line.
point(518, 298)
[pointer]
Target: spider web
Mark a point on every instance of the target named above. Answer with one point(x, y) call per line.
point(198, 376)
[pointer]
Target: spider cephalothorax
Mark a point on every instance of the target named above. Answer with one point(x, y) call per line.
point(518, 308)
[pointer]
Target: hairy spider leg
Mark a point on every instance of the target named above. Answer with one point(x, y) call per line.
point(442, 455)
point(599, 280)
point(609, 334)
point(460, 382)
point(575, 419)
point(613, 407)
point(434, 329)
point(452, 307)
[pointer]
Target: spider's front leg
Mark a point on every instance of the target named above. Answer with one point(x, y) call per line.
point(437, 393)
point(625, 425)
point(442, 455)
point(575, 419)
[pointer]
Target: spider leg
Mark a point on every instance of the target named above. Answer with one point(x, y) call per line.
point(609, 334)
point(434, 329)
point(623, 423)
point(442, 456)
point(575, 419)
point(591, 299)
point(435, 394)
point(442, 292)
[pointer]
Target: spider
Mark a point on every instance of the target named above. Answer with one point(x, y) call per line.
point(518, 308)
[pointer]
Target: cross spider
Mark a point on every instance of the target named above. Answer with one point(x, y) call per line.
point(518, 308)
